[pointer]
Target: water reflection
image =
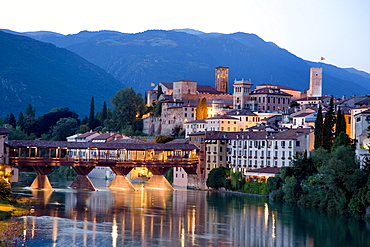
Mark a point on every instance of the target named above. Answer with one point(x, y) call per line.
point(181, 218)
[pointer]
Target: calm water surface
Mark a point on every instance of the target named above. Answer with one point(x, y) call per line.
point(67, 217)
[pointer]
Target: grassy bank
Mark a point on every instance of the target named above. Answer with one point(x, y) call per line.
point(11, 229)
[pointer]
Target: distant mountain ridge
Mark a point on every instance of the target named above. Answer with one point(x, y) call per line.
point(165, 56)
point(139, 59)
point(41, 74)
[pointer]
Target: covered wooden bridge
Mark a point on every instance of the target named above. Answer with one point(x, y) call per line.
point(83, 157)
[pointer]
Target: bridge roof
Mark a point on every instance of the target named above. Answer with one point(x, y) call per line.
point(100, 145)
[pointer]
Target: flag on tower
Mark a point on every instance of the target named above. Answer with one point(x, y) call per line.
point(322, 58)
point(152, 84)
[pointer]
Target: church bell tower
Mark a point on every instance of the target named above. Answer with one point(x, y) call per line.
point(222, 79)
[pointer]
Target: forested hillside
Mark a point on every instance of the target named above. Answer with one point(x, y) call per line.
point(41, 74)
point(166, 56)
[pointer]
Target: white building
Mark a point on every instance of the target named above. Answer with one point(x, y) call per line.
point(362, 122)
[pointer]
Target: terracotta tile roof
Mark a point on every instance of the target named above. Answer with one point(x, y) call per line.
point(363, 102)
point(128, 140)
point(197, 121)
point(168, 85)
point(208, 89)
point(270, 91)
point(277, 86)
point(222, 117)
point(106, 136)
point(4, 130)
point(179, 141)
point(313, 98)
point(242, 112)
point(275, 170)
point(100, 145)
point(304, 114)
point(84, 135)
point(288, 134)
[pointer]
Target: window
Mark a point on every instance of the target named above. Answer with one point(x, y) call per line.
point(298, 144)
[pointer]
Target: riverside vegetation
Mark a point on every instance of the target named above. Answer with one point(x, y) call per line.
point(11, 231)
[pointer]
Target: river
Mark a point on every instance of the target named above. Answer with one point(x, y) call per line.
point(66, 217)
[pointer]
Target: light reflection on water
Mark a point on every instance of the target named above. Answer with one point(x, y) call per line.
point(68, 217)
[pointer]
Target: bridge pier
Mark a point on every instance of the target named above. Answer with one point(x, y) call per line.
point(42, 182)
point(121, 181)
point(158, 181)
point(82, 181)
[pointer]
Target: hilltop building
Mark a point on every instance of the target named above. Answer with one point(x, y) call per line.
point(315, 82)
point(222, 79)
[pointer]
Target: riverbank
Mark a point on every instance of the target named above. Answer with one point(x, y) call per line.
point(11, 229)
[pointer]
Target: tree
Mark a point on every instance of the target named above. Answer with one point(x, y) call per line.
point(343, 140)
point(5, 191)
point(160, 92)
point(10, 119)
point(128, 107)
point(328, 127)
point(29, 120)
point(163, 138)
point(237, 180)
point(340, 123)
point(45, 122)
point(157, 110)
point(102, 115)
point(217, 176)
point(65, 127)
point(92, 122)
point(20, 122)
point(294, 104)
point(318, 129)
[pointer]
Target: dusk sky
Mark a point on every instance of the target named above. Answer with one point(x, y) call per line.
point(335, 29)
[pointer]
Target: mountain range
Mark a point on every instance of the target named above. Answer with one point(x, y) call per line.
point(154, 56)
point(45, 76)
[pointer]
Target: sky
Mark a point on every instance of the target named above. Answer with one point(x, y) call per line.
point(338, 30)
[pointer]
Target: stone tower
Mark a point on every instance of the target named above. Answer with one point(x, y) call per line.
point(182, 89)
point(241, 93)
point(222, 79)
point(315, 82)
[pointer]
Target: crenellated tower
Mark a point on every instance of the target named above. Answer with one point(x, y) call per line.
point(222, 79)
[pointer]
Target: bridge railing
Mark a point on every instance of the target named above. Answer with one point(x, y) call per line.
point(67, 159)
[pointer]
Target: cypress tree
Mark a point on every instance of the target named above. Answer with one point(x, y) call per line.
point(160, 92)
point(104, 114)
point(12, 120)
point(340, 123)
point(328, 129)
point(21, 121)
point(318, 129)
point(92, 114)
